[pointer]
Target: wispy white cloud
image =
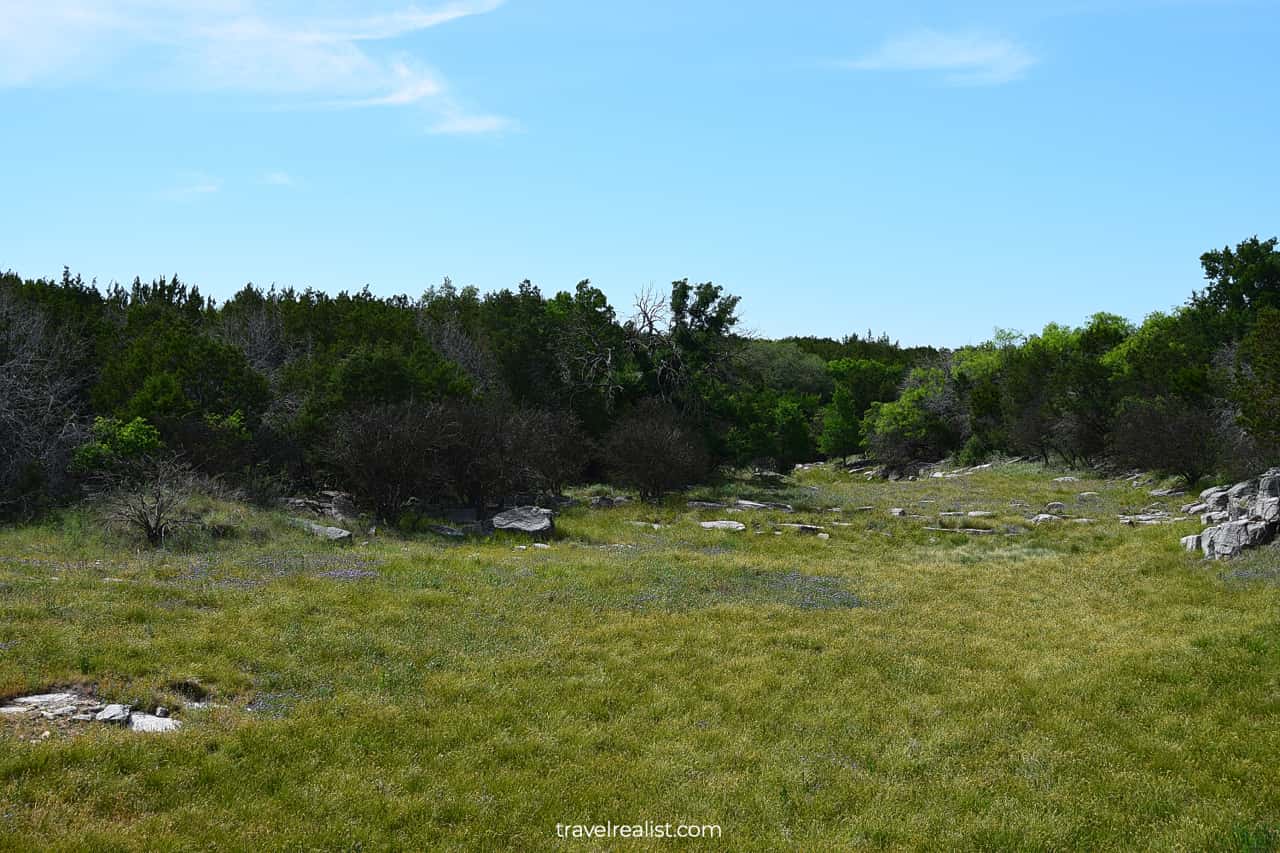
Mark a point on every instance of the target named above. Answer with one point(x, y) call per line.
point(461, 124)
point(966, 58)
point(278, 179)
point(191, 185)
point(292, 55)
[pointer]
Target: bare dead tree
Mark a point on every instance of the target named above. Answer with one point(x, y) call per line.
point(452, 341)
point(150, 496)
point(40, 423)
point(588, 363)
point(257, 330)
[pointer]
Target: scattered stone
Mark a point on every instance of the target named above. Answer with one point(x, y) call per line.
point(805, 528)
point(1194, 508)
point(1215, 517)
point(44, 701)
point(113, 714)
point(1066, 479)
point(333, 534)
point(1046, 518)
point(609, 501)
point(63, 711)
point(162, 711)
point(707, 505)
point(1055, 507)
point(1087, 497)
point(824, 535)
point(152, 723)
point(1166, 493)
point(1148, 518)
point(526, 519)
point(542, 545)
point(897, 511)
point(1082, 521)
point(653, 524)
point(960, 514)
point(1191, 543)
point(722, 525)
point(970, 531)
point(757, 505)
point(981, 513)
point(446, 531)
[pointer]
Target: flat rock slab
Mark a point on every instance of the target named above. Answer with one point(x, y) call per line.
point(811, 529)
point(970, 531)
point(757, 505)
point(722, 525)
point(113, 714)
point(526, 519)
point(322, 531)
point(152, 723)
point(43, 700)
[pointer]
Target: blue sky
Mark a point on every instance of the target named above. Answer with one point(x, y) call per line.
point(933, 170)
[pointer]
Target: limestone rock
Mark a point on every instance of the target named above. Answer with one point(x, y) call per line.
point(153, 723)
point(526, 519)
point(1228, 540)
point(333, 534)
point(722, 525)
point(113, 714)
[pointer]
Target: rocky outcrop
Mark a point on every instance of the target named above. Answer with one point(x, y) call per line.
point(1241, 516)
point(340, 506)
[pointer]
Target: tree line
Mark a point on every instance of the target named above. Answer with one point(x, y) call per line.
point(461, 397)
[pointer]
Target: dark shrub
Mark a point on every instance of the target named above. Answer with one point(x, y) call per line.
point(1169, 435)
point(652, 450)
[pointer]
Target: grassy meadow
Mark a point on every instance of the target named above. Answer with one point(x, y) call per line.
point(1060, 686)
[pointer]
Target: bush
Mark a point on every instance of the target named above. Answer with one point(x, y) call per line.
point(653, 451)
point(387, 454)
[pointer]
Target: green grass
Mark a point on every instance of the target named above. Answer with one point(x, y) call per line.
point(1044, 687)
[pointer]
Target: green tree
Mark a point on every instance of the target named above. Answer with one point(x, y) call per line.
point(1257, 390)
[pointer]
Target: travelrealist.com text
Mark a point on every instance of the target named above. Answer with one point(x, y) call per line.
point(645, 829)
